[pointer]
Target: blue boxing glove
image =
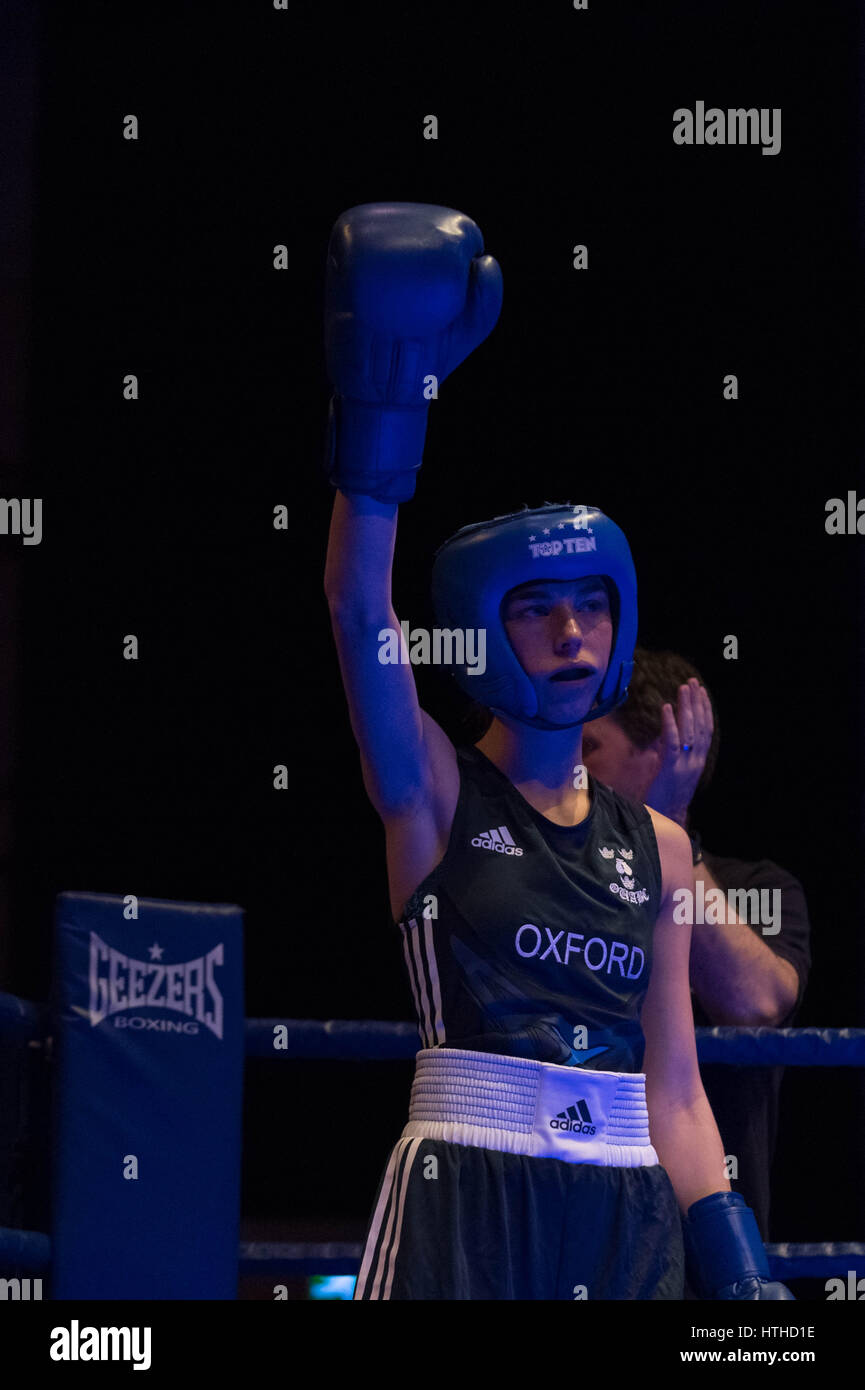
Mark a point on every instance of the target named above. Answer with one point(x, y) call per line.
point(409, 294)
point(725, 1255)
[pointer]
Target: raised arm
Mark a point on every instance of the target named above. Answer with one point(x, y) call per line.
point(386, 719)
point(409, 295)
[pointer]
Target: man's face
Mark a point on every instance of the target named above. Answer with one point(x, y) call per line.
point(613, 759)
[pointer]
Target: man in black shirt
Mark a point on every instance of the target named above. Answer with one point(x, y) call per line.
point(749, 963)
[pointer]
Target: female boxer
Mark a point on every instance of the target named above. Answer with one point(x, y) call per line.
point(557, 1123)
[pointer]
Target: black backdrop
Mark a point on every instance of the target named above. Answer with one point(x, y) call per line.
point(154, 257)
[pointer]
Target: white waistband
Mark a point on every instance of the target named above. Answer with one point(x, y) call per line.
point(521, 1106)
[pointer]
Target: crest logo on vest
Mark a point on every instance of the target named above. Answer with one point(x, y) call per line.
point(627, 888)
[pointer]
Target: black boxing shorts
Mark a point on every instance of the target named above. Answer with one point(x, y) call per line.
point(516, 1179)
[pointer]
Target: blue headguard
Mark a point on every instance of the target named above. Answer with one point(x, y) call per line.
point(474, 570)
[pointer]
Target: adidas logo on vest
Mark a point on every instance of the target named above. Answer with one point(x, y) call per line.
point(500, 841)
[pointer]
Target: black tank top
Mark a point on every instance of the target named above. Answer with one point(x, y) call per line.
point(527, 931)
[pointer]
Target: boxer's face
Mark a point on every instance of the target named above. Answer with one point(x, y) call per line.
point(562, 634)
point(613, 759)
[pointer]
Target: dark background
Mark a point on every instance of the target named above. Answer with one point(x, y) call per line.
point(154, 257)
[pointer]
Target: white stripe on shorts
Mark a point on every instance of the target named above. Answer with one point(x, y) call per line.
point(395, 1199)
